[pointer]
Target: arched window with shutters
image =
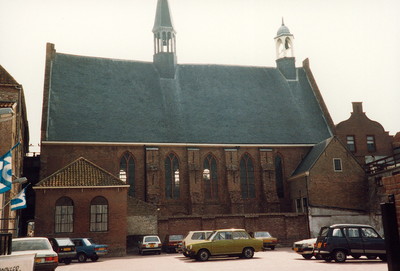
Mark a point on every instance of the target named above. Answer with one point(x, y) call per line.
point(172, 177)
point(99, 214)
point(279, 176)
point(210, 177)
point(247, 177)
point(64, 215)
point(127, 172)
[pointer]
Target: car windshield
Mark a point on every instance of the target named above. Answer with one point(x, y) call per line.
point(151, 239)
point(30, 244)
point(64, 242)
point(262, 234)
point(177, 237)
point(211, 237)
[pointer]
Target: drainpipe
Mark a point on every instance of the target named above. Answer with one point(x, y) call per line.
point(145, 173)
point(307, 213)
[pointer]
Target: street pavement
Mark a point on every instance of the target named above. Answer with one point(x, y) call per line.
point(281, 259)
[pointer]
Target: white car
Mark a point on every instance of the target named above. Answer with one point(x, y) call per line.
point(151, 243)
point(46, 258)
point(194, 237)
point(305, 247)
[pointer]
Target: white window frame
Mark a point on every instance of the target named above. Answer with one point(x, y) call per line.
point(334, 165)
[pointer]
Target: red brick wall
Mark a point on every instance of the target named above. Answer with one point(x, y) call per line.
point(360, 126)
point(115, 237)
point(392, 186)
point(345, 189)
point(150, 178)
point(286, 227)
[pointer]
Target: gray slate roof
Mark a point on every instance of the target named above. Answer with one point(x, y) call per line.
point(312, 157)
point(107, 100)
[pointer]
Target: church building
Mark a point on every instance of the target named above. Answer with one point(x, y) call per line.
point(188, 139)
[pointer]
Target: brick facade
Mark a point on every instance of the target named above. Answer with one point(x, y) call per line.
point(150, 175)
point(392, 187)
point(115, 237)
point(360, 126)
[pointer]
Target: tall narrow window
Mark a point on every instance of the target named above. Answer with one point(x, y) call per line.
point(279, 177)
point(247, 177)
point(298, 205)
point(351, 146)
point(305, 205)
point(127, 172)
point(99, 214)
point(210, 177)
point(337, 165)
point(64, 215)
point(172, 177)
point(371, 143)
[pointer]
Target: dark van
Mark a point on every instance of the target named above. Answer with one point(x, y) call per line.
point(338, 241)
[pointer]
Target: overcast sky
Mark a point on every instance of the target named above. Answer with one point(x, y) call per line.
point(353, 45)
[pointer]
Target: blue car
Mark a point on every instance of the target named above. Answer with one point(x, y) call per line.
point(87, 248)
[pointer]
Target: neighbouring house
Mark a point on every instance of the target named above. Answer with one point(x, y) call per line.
point(330, 186)
point(13, 129)
point(366, 139)
point(83, 200)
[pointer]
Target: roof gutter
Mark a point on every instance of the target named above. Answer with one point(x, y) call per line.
point(79, 187)
point(86, 143)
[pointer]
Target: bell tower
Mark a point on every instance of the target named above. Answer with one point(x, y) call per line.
point(284, 52)
point(164, 57)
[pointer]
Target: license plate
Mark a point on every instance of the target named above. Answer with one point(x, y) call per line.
point(319, 245)
point(67, 249)
point(296, 249)
point(151, 245)
point(102, 248)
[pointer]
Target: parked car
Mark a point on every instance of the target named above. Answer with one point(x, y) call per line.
point(337, 241)
point(65, 249)
point(171, 242)
point(268, 240)
point(230, 242)
point(151, 243)
point(194, 237)
point(87, 248)
point(46, 258)
point(305, 247)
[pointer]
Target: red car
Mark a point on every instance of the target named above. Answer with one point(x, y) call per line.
point(171, 242)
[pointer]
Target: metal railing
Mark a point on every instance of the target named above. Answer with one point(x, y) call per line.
point(386, 163)
point(5, 243)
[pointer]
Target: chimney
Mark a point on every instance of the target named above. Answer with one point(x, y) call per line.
point(357, 107)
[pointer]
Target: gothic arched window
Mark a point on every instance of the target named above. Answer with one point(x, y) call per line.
point(172, 187)
point(210, 177)
point(64, 215)
point(127, 172)
point(247, 177)
point(279, 176)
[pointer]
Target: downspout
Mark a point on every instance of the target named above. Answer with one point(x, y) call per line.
point(145, 173)
point(307, 212)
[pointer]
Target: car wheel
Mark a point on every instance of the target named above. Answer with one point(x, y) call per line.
point(82, 257)
point(307, 256)
point(339, 256)
point(356, 256)
point(372, 257)
point(67, 261)
point(203, 255)
point(94, 258)
point(383, 257)
point(272, 248)
point(248, 253)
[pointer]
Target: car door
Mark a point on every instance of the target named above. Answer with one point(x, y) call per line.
point(354, 240)
point(222, 243)
point(373, 243)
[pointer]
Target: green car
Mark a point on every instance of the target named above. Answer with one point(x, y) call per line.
point(230, 242)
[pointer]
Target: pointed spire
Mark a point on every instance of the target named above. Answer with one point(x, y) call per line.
point(163, 19)
point(283, 23)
